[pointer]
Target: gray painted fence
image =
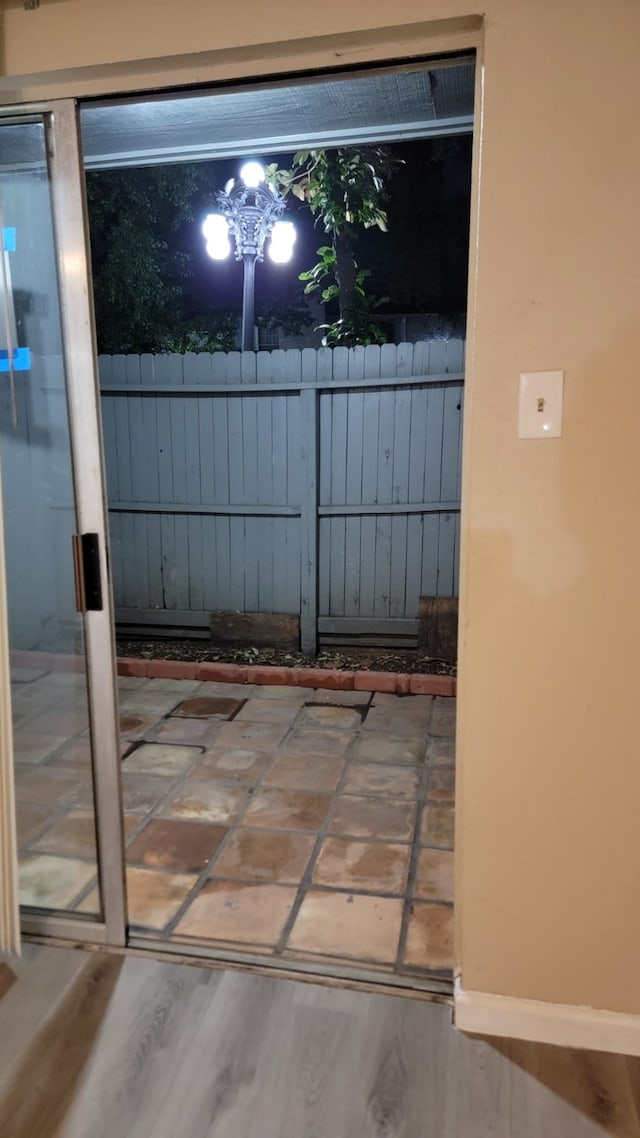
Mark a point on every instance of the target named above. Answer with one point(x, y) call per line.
point(321, 482)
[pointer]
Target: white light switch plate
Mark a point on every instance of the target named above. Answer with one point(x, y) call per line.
point(540, 413)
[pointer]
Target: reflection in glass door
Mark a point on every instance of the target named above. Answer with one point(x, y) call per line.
point(65, 743)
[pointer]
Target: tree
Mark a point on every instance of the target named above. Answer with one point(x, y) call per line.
point(345, 191)
point(139, 269)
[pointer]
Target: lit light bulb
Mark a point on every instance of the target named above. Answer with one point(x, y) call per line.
point(252, 174)
point(282, 241)
point(218, 250)
point(216, 231)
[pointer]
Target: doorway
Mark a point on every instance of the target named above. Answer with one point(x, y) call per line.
point(288, 825)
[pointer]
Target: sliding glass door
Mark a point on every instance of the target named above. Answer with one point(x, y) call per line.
point(61, 656)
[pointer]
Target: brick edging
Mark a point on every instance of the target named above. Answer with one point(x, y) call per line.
point(329, 678)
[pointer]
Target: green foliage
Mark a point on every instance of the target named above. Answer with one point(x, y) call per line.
point(341, 187)
point(344, 189)
point(138, 277)
point(361, 329)
point(215, 333)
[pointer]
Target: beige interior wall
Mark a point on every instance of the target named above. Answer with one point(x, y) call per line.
point(548, 866)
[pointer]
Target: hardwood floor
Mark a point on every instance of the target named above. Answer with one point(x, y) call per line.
point(99, 1046)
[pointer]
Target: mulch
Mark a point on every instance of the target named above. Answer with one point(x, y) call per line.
point(401, 661)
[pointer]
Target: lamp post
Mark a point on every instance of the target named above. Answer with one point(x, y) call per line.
point(250, 212)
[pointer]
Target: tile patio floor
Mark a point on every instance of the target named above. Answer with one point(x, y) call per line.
point(310, 824)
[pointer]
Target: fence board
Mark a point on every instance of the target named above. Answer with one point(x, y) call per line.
point(237, 438)
point(309, 523)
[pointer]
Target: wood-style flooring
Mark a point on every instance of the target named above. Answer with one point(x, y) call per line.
point(102, 1046)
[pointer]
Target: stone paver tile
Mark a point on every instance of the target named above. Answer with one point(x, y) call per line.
point(90, 903)
point(434, 876)
point(345, 924)
point(187, 732)
point(68, 679)
point(25, 704)
point(46, 785)
point(134, 725)
point(240, 912)
point(338, 698)
point(149, 702)
point(167, 843)
point(131, 683)
point(346, 718)
point(251, 736)
point(376, 818)
point(209, 802)
point(154, 898)
point(230, 691)
point(441, 784)
point(76, 753)
point(207, 707)
point(441, 752)
point(52, 882)
point(380, 779)
point(286, 692)
point(237, 765)
point(161, 759)
point(438, 827)
point(305, 772)
point(288, 809)
point(381, 719)
point(63, 723)
point(38, 694)
point(269, 711)
point(430, 937)
point(328, 741)
point(75, 834)
point(32, 748)
point(141, 792)
point(416, 704)
point(19, 719)
point(372, 867)
point(264, 855)
point(26, 675)
point(30, 820)
point(181, 687)
point(370, 748)
point(443, 719)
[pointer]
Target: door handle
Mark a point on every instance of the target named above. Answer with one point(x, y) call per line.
point(86, 571)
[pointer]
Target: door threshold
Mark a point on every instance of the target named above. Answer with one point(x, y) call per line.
point(434, 989)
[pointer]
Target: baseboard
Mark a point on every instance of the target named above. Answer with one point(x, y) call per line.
point(564, 1025)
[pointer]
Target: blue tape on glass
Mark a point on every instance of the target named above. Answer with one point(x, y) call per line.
point(21, 359)
point(9, 239)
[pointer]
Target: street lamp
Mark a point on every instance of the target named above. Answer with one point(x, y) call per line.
point(250, 212)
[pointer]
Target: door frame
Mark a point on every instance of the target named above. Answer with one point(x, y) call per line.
point(68, 203)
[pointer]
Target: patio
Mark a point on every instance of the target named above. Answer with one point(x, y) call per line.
point(310, 824)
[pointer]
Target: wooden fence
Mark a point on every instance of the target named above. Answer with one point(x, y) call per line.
point(320, 482)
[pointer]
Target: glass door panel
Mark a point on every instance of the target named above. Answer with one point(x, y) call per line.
point(53, 577)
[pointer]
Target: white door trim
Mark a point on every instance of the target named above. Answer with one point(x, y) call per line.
point(565, 1025)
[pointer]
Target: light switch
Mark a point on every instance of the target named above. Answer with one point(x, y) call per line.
point(540, 415)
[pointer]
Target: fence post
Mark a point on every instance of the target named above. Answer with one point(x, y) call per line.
point(309, 522)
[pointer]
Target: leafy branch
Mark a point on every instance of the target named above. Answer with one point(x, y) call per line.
point(345, 191)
